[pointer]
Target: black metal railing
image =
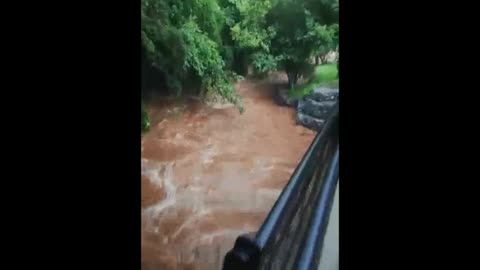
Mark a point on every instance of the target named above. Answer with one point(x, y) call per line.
point(292, 235)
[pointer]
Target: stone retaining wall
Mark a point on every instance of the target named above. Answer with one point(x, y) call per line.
point(312, 110)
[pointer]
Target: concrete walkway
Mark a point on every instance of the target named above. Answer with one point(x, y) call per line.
point(329, 259)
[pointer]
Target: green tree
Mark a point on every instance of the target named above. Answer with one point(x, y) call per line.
point(248, 35)
point(324, 12)
point(302, 29)
point(291, 46)
point(250, 31)
point(183, 40)
point(324, 38)
point(324, 25)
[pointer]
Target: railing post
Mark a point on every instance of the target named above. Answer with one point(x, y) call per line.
point(244, 255)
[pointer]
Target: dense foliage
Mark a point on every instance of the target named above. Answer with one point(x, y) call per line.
point(204, 44)
point(183, 40)
point(302, 33)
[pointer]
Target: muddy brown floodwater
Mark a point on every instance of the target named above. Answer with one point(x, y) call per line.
point(209, 175)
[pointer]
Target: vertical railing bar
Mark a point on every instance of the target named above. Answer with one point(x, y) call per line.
point(318, 223)
point(248, 249)
point(273, 217)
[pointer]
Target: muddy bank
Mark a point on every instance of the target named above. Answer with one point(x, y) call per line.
point(209, 175)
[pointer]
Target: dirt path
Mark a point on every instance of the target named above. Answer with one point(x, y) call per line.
point(209, 175)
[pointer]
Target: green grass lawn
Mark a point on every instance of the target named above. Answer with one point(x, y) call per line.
point(323, 75)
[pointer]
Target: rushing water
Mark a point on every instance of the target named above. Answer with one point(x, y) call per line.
point(209, 175)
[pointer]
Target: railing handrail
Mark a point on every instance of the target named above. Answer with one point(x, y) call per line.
point(313, 244)
point(268, 226)
point(318, 171)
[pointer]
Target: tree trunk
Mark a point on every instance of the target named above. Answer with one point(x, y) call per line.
point(317, 60)
point(292, 79)
point(202, 93)
point(324, 58)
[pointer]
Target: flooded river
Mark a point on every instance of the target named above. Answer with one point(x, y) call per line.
point(209, 175)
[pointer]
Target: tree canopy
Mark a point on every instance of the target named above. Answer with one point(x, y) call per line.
point(203, 42)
